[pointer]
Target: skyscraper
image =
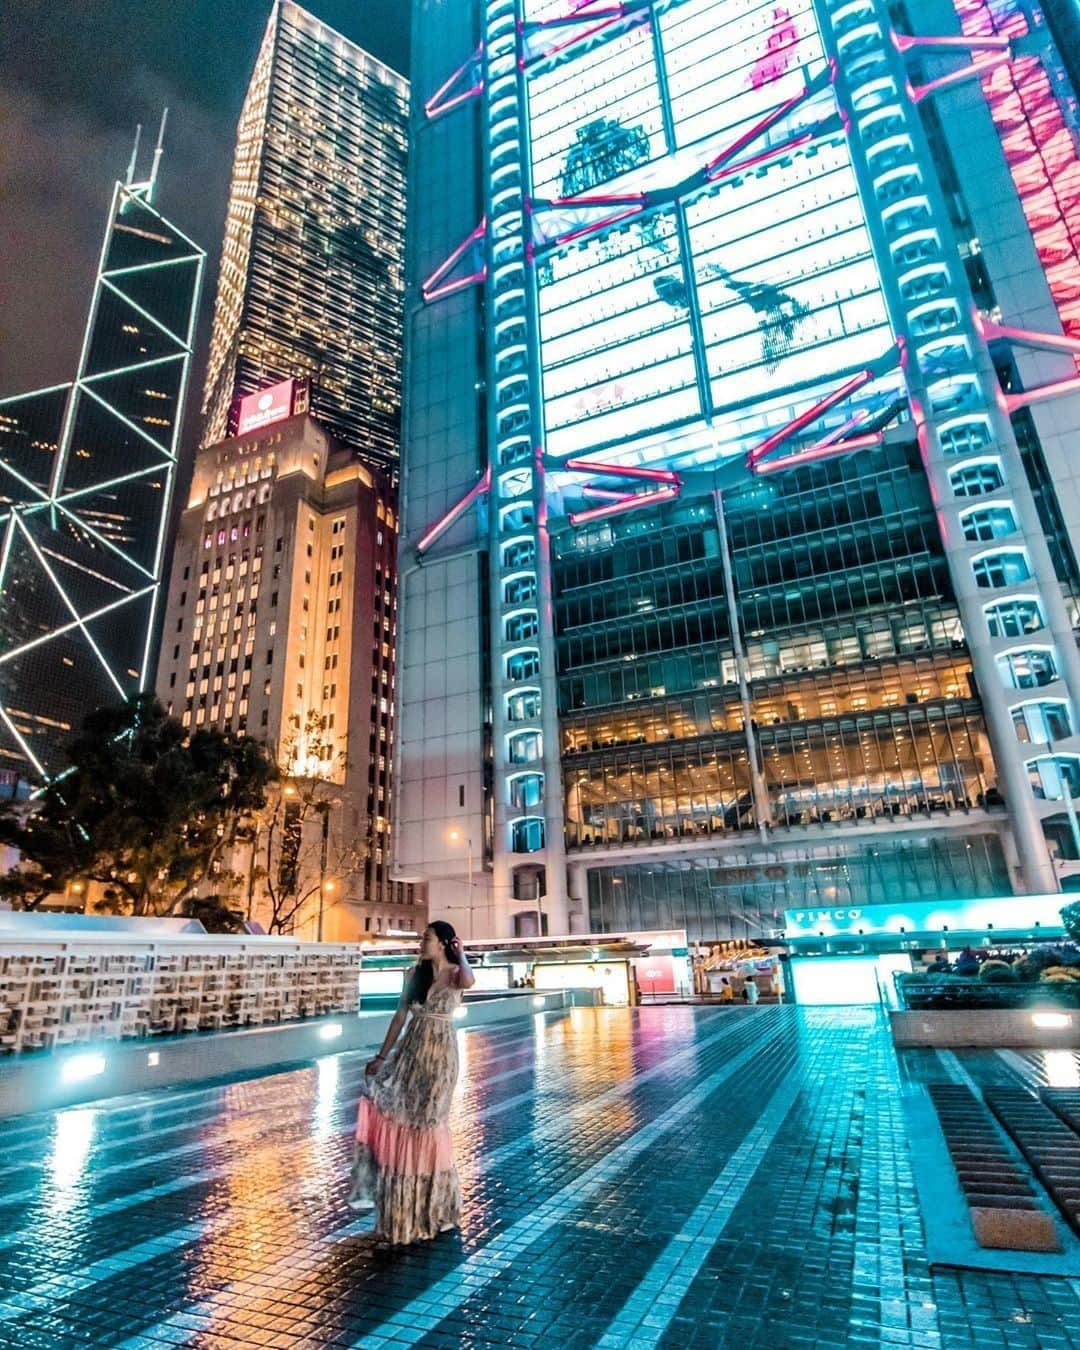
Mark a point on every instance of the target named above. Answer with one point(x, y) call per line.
point(280, 623)
point(739, 531)
point(311, 270)
point(86, 482)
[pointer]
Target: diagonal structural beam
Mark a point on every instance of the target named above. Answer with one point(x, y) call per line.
point(907, 42)
point(539, 43)
point(987, 52)
point(436, 286)
point(465, 83)
point(1027, 337)
point(668, 476)
point(823, 449)
point(632, 503)
point(874, 370)
point(979, 66)
point(440, 527)
point(1024, 398)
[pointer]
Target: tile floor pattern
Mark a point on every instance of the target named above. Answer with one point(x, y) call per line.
point(674, 1177)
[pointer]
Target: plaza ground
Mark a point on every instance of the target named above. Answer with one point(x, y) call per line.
point(669, 1176)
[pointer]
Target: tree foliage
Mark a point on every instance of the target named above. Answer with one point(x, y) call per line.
point(293, 849)
point(145, 809)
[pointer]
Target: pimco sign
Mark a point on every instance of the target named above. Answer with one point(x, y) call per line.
point(1003, 914)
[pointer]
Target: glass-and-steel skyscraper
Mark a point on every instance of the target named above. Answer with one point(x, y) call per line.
point(311, 271)
point(740, 520)
point(86, 481)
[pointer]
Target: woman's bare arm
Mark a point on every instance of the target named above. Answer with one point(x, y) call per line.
point(464, 978)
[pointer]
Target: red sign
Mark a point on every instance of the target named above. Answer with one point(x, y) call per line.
point(265, 407)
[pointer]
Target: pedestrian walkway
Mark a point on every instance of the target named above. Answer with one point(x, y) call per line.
point(665, 1176)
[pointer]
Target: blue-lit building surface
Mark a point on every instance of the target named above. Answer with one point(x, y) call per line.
point(87, 471)
point(739, 520)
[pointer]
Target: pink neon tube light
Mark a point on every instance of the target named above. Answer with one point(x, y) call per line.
point(810, 415)
point(624, 471)
point(667, 494)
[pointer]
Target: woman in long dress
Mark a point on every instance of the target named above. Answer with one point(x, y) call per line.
point(404, 1162)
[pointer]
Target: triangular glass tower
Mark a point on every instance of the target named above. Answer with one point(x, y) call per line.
point(86, 481)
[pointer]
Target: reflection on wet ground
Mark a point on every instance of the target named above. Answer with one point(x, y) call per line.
point(661, 1176)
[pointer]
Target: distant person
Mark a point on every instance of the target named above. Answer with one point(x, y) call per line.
point(403, 1166)
point(967, 963)
point(750, 990)
point(940, 964)
point(726, 992)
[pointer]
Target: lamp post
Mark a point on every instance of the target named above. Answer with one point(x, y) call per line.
point(323, 808)
point(456, 836)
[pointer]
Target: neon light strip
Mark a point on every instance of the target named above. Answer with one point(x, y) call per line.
point(904, 42)
point(623, 471)
point(36, 393)
point(77, 520)
point(104, 279)
point(558, 48)
point(583, 230)
point(70, 627)
point(1026, 397)
point(759, 128)
point(437, 104)
point(773, 152)
point(667, 494)
point(810, 415)
point(70, 606)
point(21, 743)
point(977, 67)
point(451, 287)
point(442, 525)
point(593, 199)
point(581, 14)
point(608, 494)
point(159, 446)
point(822, 450)
point(1027, 337)
point(430, 289)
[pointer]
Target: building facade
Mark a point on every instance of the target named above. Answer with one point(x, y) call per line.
point(86, 483)
point(310, 284)
point(280, 622)
point(739, 526)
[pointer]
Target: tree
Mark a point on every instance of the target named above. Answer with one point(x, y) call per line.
point(145, 809)
point(1070, 918)
point(294, 853)
point(602, 150)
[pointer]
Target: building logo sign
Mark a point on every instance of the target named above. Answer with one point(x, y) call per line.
point(1017, 913)
point(267, 406)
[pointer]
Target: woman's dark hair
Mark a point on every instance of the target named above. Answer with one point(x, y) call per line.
point(423, 975)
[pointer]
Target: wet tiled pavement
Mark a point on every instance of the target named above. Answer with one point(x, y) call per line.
point(668, 1176)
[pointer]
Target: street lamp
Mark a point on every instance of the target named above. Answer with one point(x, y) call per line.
point(456, 836)
point(323, 808)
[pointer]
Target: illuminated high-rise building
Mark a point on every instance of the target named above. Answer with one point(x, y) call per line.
point(280, 622)
point(86, 482)
point(740, 521)
point(311, 270)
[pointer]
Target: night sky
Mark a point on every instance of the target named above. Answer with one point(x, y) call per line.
point(75, 78)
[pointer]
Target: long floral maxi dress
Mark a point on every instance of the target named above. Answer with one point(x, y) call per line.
point(404, 1161)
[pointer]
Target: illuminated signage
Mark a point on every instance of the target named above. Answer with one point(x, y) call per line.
point(267, 406)
point(1005, 914)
